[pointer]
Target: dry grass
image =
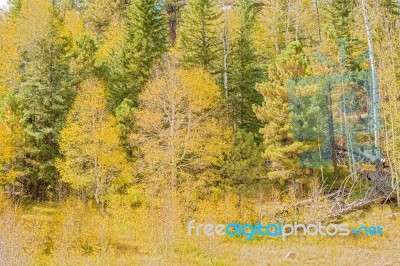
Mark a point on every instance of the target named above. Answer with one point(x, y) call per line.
point(18, 242)
point(77, 234)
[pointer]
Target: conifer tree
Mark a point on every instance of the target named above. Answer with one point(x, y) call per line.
point(201, 36)
point(280, 148)
point(173, 8)
point(44, 96)
point(244, 163)
point(84, 62)
point(144, 43)
point(340, 18)
point(93, 161)
point(245, 70)
point(339, 28)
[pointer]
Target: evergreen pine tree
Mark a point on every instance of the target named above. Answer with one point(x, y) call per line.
point(245, 70)
point(281, 149)
point(340, 20)
point(201, 36)
point(244, 163)
point(44, 96)
point(173, 8)
point(341, 17)
point(144, 43)
point(84, 61)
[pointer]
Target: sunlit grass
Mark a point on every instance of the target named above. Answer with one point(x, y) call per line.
point(74, 233)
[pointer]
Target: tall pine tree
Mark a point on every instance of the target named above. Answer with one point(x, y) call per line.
point(340, 17)
point(339, 29)
point(281, 149)
point(201, 36)
point(144, 43)
point(173, 8)
point(245, 70)
point(44, 97)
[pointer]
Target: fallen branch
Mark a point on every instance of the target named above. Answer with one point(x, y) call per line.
point(309, 201)
point(354, 206)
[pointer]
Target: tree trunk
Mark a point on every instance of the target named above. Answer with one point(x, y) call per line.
point(332, 136)
point(172, 11)
point(375, 94)
point(318, 21)
point(226, 49)
point(287, 38)
point(297, 19)
point(97, 192)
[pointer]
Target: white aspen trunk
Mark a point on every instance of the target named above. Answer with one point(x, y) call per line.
point(375, 94)
point(287, 38)
point(297, 19)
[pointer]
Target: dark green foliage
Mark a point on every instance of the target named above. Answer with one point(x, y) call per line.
point(245, 71)
point(340, 17)
point(201, 42)
point(85, 58)
point(339, 22)
point(244, 162)
point(145, 42)
point(124, 114)
point(44, 97)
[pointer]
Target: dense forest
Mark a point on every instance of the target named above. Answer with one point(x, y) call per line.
point(124, 116)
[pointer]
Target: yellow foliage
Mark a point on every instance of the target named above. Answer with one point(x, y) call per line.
point(10, 137)
point(7, 153)
point(75, 233)
point(19, 34)
point(112, 38)
point(6, 147)
point(9, 55)
point(182, 134)
point(32, 22)
point(74, 23)
point(90, 143)
point(19, 240)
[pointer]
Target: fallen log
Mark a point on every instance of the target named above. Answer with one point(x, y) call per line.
point(309, 201)
point(354, 206)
